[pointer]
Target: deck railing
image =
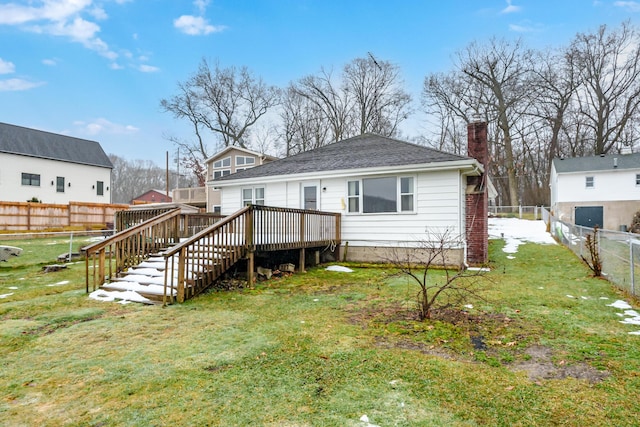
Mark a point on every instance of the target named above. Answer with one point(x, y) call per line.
point(193, 265)
point(140, 233)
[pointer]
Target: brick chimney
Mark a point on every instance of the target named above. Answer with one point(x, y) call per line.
point(476, 197)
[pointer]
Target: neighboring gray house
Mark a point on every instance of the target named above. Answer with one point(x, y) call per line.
point(391, 193)
point(596, 190)
point(52, 168)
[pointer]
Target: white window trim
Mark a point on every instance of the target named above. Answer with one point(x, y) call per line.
point(244, 161)
point(586, 182)
point(221, 163)
point(398, 196)
point(243, 201)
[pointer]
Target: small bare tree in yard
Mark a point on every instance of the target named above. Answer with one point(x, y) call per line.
point(592, 243)
point(455, 287)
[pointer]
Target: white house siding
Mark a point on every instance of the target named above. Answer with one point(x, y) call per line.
point(615, 190)
point(438, 205)
point(80, 180)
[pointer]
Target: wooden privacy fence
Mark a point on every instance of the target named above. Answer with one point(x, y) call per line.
point(26, 216)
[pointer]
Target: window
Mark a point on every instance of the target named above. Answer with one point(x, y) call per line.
point(589, 182)
point(353, 196)
point(32, 179)
point(245, 161)
point(406, 194)
point(253, 196)
point(222, 163)
point(380, 195)
point(60, 184)
point(217, 210)
point(638, 179)
point(223, 172)
point(100, 188)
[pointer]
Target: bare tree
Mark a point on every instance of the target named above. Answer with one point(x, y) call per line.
point(607, 62)
point(455, 287)
point(131, 178)
point(225, 102)
point(333, 103)
point(304, 126)
point(380, 102)
point(367, 97)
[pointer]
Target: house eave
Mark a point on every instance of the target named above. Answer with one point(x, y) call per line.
point(468, 167)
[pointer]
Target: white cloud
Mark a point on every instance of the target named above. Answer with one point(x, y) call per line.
point(201, 5)
point(195, 25)
point(526, 27)
point(6, 67)
point(60, 18)
point(50, 62)
point(104, 126)
point(12, 85)
point(510, 8)
point(148, 68)
point(632, 6)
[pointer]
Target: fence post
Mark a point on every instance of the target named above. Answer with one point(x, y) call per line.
point(520, 211)
point(632, 267)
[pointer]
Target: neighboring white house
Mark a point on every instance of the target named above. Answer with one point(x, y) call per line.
point(390, 193)
point(226, 162)
point(51, 168)
point(597, 190)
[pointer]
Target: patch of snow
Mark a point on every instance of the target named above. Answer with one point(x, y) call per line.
point(479, 269)
point(570, 296)
point(339, 268)
point(64, 282)
point(623, 305)
point(468, 306)
point(634, 333)
point(12, 288)
point(124, 296)
point(6, 295)
point(516, 232)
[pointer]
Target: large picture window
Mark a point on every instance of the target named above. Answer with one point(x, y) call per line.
point(32, 179)
point(381, 195)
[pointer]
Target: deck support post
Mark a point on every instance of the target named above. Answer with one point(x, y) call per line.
point(250, 268)
point(316, 258)
point(301, 260)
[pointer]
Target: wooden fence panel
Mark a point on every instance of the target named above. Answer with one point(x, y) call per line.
point(27, 216)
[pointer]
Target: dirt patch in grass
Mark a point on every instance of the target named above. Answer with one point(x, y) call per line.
point(488, 334)
point(541, 366)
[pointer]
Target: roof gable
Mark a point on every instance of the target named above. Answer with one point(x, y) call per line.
point(359, 152)
point(237, 150)
point(604, 162)
point(36, 143)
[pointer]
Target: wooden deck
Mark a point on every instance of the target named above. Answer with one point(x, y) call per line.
point(182, 267)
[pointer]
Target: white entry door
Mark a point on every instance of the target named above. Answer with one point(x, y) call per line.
point(310, 197)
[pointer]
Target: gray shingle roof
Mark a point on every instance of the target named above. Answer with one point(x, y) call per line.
point(597, 163)
point(363, 151)
point(45, 145)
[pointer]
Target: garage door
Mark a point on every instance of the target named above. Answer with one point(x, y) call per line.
point(589, 216)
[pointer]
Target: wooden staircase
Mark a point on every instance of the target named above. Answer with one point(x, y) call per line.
point(151, 261)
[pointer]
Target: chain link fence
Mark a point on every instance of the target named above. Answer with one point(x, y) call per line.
point(522, 212)
point(619, 251)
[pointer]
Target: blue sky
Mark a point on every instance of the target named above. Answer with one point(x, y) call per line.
point(98, 69)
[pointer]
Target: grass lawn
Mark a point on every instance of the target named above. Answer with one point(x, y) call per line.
point(319, 349)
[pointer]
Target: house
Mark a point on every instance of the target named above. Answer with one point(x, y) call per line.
point(151, 196)
point(392, 195)
point(599, 190)
point(51, 168)
point(224, 163)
